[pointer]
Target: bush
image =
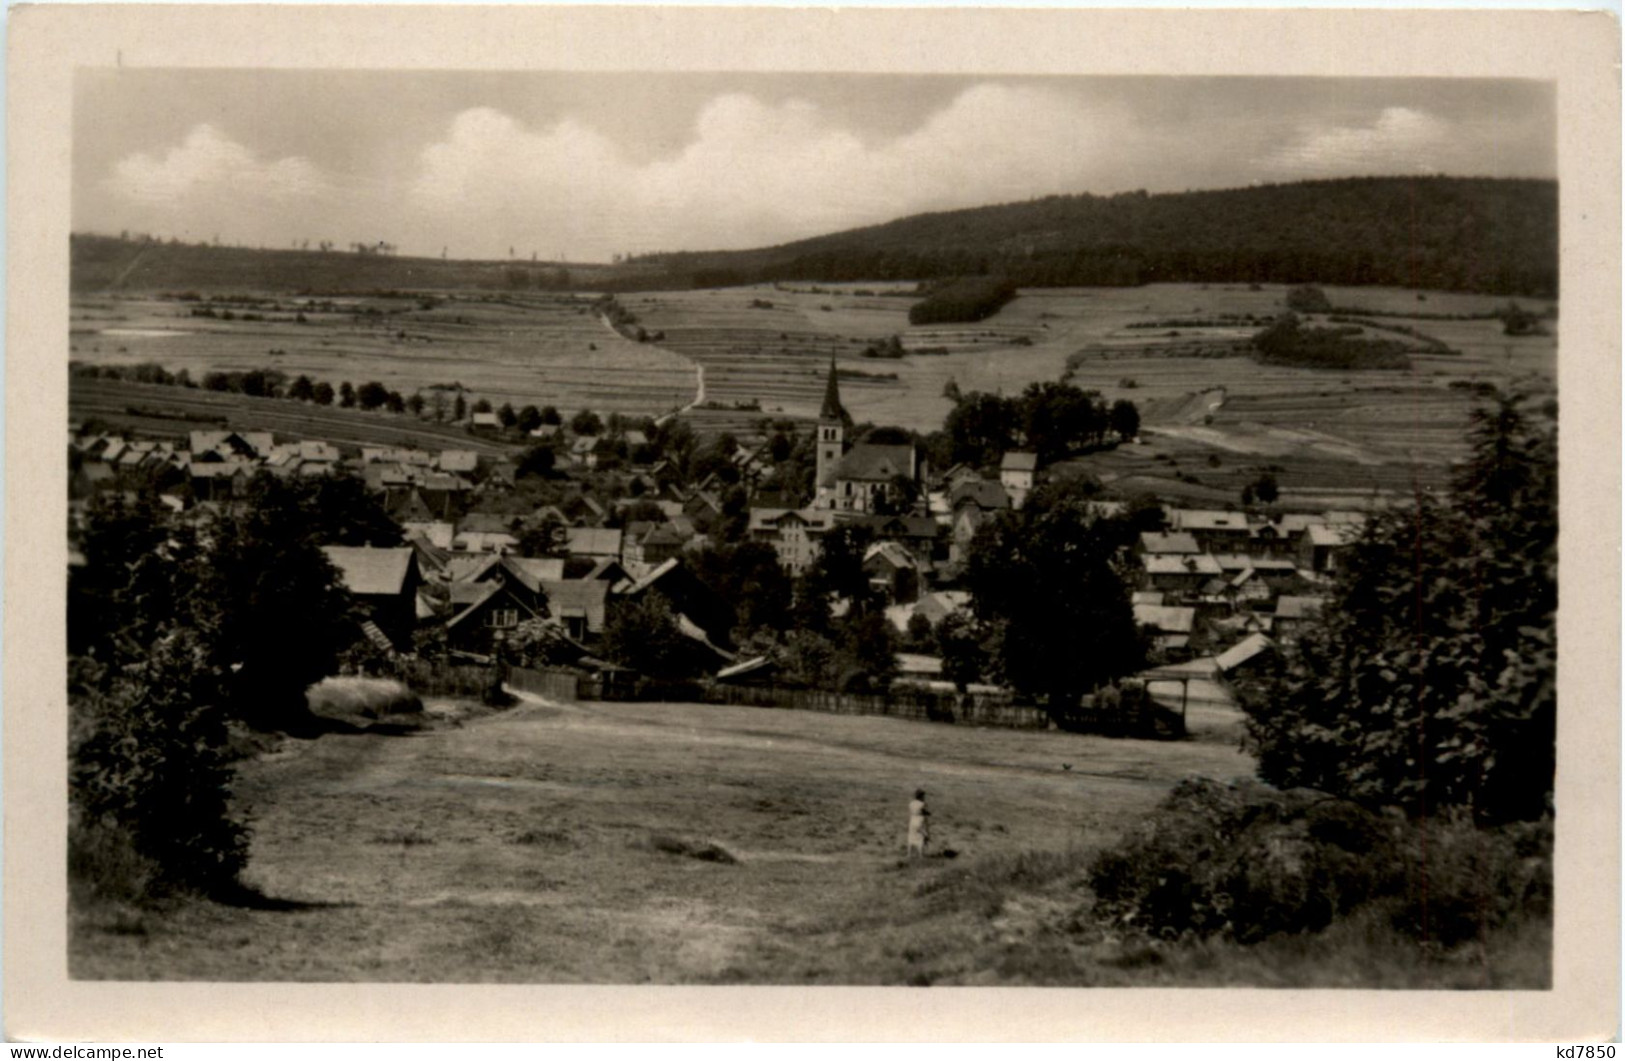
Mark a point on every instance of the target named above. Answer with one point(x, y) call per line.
point(1246, 862)
point(357, 697)
point(966, 300)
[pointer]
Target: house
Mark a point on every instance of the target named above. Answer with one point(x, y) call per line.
point(484, 542)
point(218, 481)
point(1170, 626)
point(384, 582)
point(526, 576)
point(597, 543)
point(1016, 472)
point(438, 534)
point(1244, 657)
point(1178, 576)
point(972, 502)
point(485, 424)
point(487, 613)
point(1323, 546)
point(1177, 543)
point(1214, 531)
point(933, 607)
point(458, 461)
point(579, 605)
point(919, 534)
point(1293, 614)
point(647, 544)
point(759, 671)
point(584, 511)
point(795, 534)
point(546, 432)
point(590, 451)
point(893, 572)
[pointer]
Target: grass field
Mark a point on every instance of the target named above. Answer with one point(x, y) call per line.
point(527, 349)
point(566, 844)
point(184, 410)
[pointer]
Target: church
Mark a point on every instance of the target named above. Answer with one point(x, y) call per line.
point(854, 479)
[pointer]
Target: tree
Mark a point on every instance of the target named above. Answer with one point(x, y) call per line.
point(546, 538)
point(1125, 419)
point(644, 637)
point(459, 408)
point(1307, 298)
point(346, 396)
point(1430, 679)
point(1046, 575)
point(750, 578)
point(981, 427)
point(1266, 489)
point(838, 571)
point(322, 394)
point(529, 419)
point(371, 395)
point(959, 642)
point(537, 462)
point(506, 416)
point(302, 389)
point(586, 422)
point(394, 402)
point(414, 402)
point(550, 415)
point(483, 405)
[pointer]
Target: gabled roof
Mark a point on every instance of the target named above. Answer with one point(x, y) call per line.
point(486, 420)
point(1194, 519)
point(1333, 534)
point(1298, 607)
point(1147, 596)
point(891, 553)
point(437, 533)
point(458, 460)
point(1019, 461)
point(1165, 619)
point(983, 493)
point(532, 571)
point(1201, 564)
point(486, 593)
point(899, 526)
point(570, 598)
point(1247, 648)
point(772, 519)
point(593, 541)
point(371, 572)
point(1156, 543)
point(866, 462)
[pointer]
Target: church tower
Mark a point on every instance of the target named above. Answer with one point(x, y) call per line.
point(831, 428)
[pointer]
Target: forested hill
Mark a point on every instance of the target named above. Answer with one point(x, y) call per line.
point(1446, 233)
point(1460, 234)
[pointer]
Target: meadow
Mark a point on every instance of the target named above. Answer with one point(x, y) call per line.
point(1213, 419)
point(674, 843)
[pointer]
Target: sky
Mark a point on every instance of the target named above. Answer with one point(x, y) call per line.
point(582, 167)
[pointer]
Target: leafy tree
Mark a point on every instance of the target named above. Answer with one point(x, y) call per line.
point(550, 415)
point(644, 637)
point(529, 419)
point(586, 422)
point(867, 659)
point(459, 408)
point(346, 395)
point(749, 577)
point(1429, 680)
point(1046, 574)
point(537, 462)
point(302, 389)
point(981, 427)
point(1266, 489)
point(371, 395)
point(394, 402)
point(959, 642)
point(838, 571)
point(322, 394)
point(1125, 419)
point(483, 405)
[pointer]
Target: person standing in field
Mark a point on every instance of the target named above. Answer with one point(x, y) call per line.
point(919, 825)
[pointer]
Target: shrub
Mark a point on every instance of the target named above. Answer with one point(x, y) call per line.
point(357, 697)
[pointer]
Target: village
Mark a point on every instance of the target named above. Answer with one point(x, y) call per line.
point(1211, 589)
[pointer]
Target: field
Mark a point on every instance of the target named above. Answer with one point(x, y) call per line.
point(574, 843)
point(1213, 420)
point(525, 349)
point(148, 409)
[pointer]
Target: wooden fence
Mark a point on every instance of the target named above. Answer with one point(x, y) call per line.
point(967, 710)
point(553, 684)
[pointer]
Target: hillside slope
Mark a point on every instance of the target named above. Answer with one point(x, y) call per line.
point(1444, 233)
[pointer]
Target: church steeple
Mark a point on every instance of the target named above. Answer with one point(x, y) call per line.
point(831, 427)
point(832, 397)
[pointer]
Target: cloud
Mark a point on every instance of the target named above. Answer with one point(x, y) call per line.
point(1400, 140)
point(207, 164)
point(750, 173)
